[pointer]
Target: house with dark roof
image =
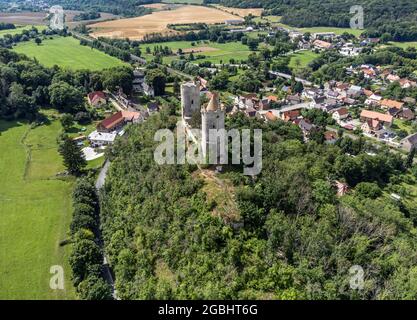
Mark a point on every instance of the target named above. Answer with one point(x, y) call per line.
point(409, 142)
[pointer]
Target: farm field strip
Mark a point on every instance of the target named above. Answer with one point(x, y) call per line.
point(35, 212)
point(67, 52)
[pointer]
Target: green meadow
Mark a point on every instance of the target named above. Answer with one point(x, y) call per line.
point(67, 52)
point(301, 59)
point(222, 52)
point(35, 209)
point(19, 30)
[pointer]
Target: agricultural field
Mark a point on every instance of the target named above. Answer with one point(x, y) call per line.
point(35, 211)
point(213, 51)
point(184, 1)
point(67, 52)
point(20, 29)
point(301, 59)
point(241, 12)
point(138, 27)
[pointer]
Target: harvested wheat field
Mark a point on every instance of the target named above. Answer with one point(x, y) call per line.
point(155, 5)
point(137, 28)
point(242, 12)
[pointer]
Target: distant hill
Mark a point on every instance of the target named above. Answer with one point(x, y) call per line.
point(397, 18)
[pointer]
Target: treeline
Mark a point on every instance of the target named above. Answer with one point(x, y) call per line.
point(91, 15)
point(86, 258)
point(27, 86)
point(8, 40)
point(7, 26)
point(212, 33)
point(381, 16)
point(128, 8)
point(291, 237)
point(123, 55)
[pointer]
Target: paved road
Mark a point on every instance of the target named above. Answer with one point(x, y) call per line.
point(106, 268)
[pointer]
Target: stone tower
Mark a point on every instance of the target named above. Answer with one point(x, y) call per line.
point(190, 99)
point(212, 117)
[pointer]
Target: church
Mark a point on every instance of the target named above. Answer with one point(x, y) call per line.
point(212, 117)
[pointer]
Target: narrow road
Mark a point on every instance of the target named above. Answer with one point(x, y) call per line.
point(106, 268)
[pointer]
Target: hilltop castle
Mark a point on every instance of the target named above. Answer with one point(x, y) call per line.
point(212, 116)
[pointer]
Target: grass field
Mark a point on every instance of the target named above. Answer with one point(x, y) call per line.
point(404, 45)
point(217, 53)
point(19, 30)
point(301, 59)
point(67, 52)
point(35, 212)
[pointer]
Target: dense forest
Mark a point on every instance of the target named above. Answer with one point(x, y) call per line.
point(127, 8)
point(397, 18)
point(288, 237)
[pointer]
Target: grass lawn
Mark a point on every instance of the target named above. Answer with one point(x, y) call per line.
point(35, 212)
point(19, 30)
point(67, 52)
point(404, 45)
point(301, 59)
point(223, 51)
point(402, 125)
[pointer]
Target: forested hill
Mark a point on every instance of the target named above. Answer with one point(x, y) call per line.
point(119, 7)
point(169, 237)
point(399, 18)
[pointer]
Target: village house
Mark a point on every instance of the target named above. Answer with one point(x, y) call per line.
point(138, 80)
point(374, 121)
point(290, 115)
point(324, 35)
point(387, 103)
point(294, 99)
point(118, 120)
point(152, 107)
point(406, 114)
point(409, 142)
point(406, 83)
point(340, 114)
point(373, 100)
point(246, 101)
point(99, 139)
point(354, 92)
point(322, 45)
point(305, 126)
point(330, 137)
point(148, 90)
point(270, 116)
point(96, 98)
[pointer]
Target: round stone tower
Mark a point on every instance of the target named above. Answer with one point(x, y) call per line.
point(190, 99)
point(212, 118)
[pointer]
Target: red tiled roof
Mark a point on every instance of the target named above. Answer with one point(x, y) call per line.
point(270, 116)
point(114, 120)
point(373, 115)
point(392, 103)
point(95, 95)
